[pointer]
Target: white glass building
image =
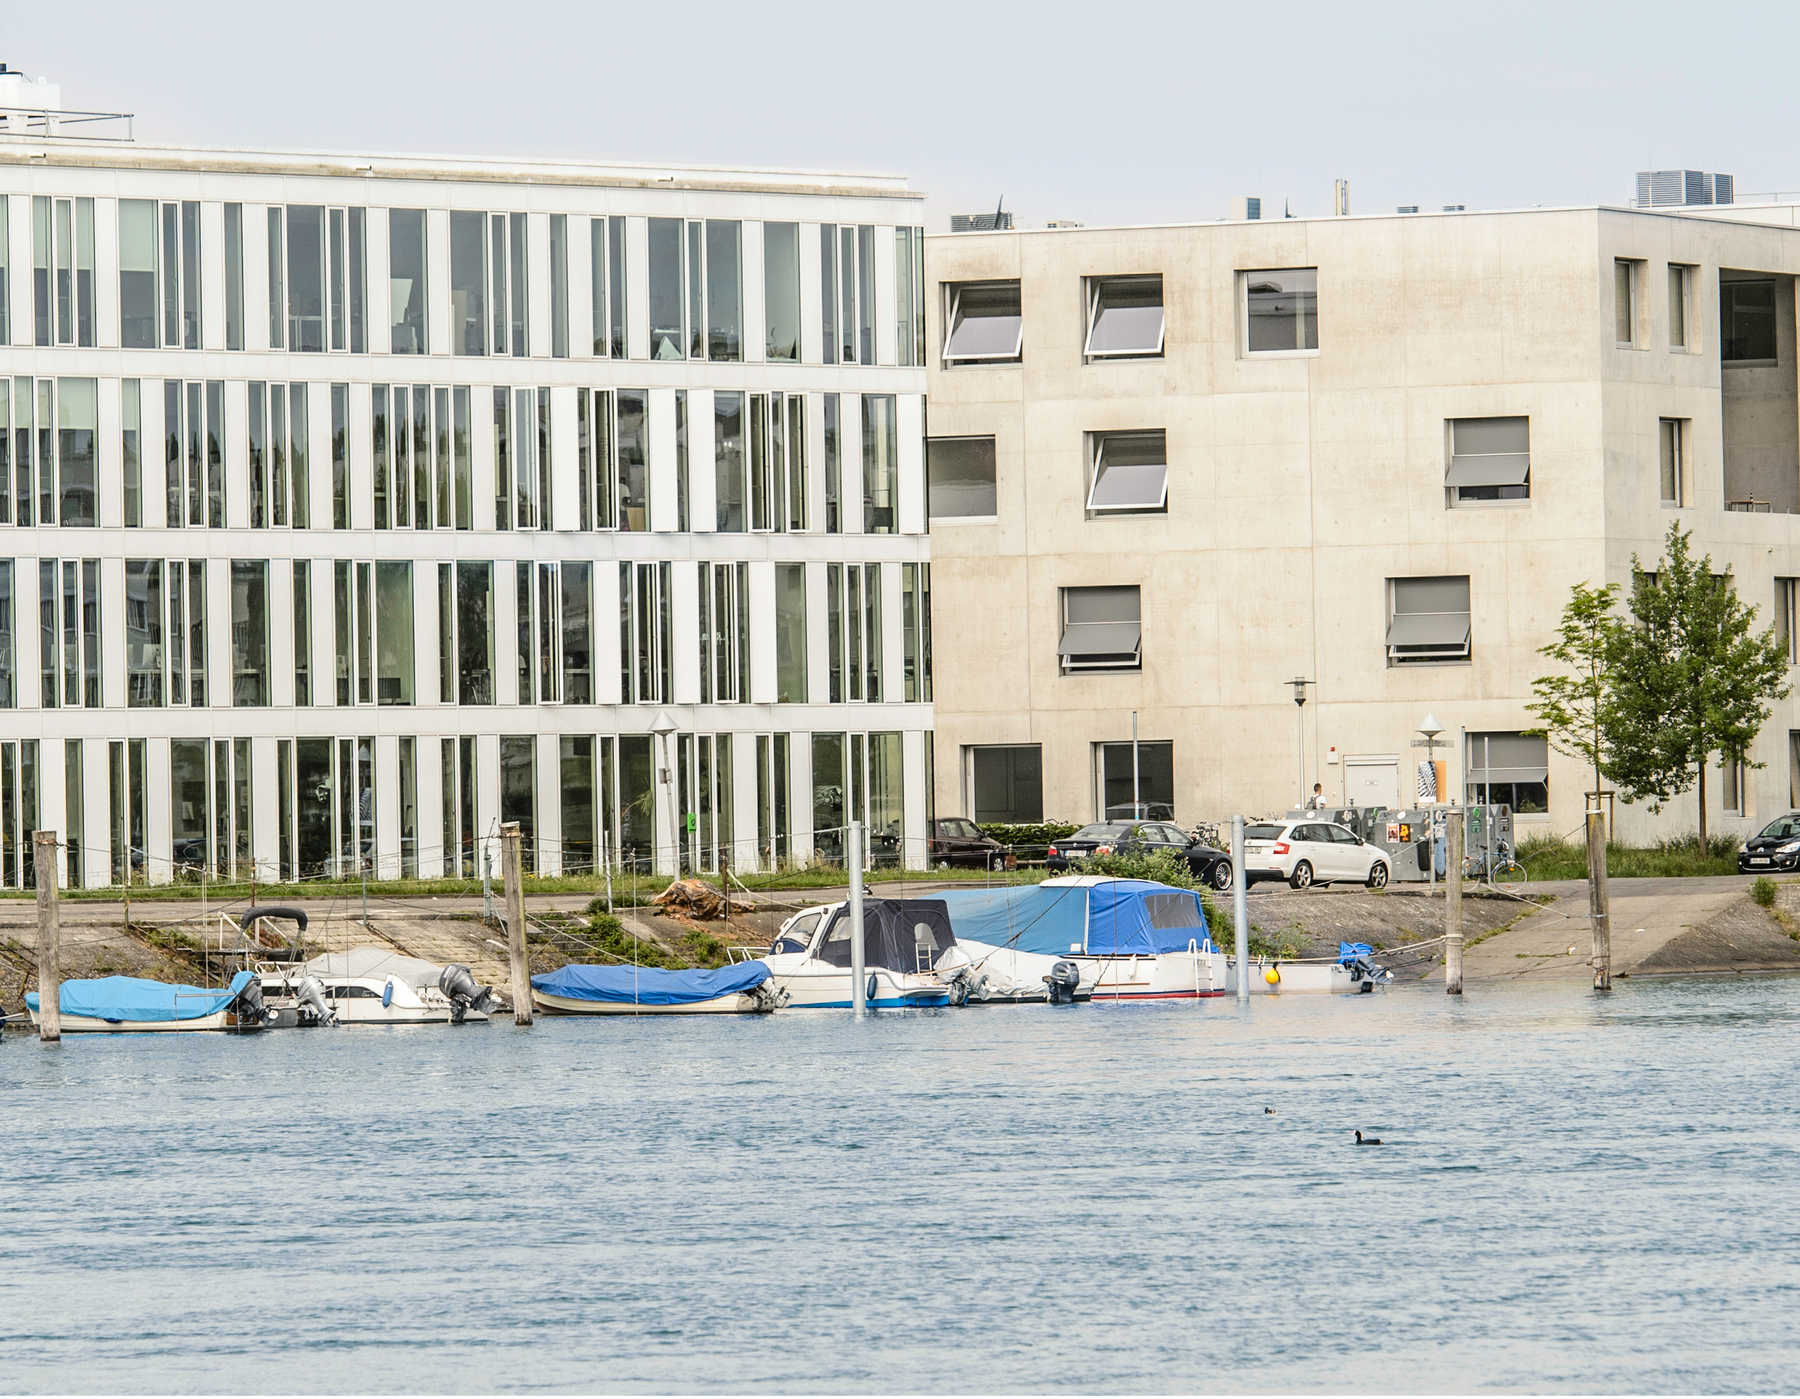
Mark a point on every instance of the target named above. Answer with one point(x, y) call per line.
point(351, 505)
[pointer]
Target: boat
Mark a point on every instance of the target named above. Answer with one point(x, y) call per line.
point(372, 986)
point(904, 944)
point(1355, 972)
point(743, 988)
point(131, 1004)
point(1080, 937)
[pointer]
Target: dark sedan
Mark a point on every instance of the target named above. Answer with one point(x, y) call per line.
point(1129, 837)
point(956, 840)
point(1775, 847)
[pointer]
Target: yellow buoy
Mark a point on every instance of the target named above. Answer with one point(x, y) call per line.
point(1272, 976)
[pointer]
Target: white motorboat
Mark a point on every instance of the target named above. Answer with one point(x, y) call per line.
point(372, 986)
point(904, 942)
point(132, 1005)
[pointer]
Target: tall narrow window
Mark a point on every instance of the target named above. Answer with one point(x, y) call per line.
point(137, 274)
point(549, 639)
point(615, 282)
point(277, 289)
point(365, 634)
point(724, 290)
point(249, 632)
point(518, 792)
point(393, 632)
point(298, 460)
point(359, 281)
point(523, 597)
point(130, 441)
point(302, 632)
point(78, 422)
point(1678, 307)
point(144, 659)
point(834, 476)
point(9, 622)
point(790, 633)
point(406, 281)
point(903, 295)
point(668, 320)
point(468, 282)
point(781, 291)
point(828, 290)
point(190, 274)
point(43, 314)
point(1669, 435)
point(520, 300)
point(847, 295)
point(336, 278)
point(409, 808)
point(546, 500)
point(577, 633)
point(865, 293)
point(234, 276)
point(342, 601)
point(340, 456)
point(5, 277)
point(475, 632)
point(1624, 303)
point(728, 461)
point(681, 461)
point(306, 277)
point(881, 466)
point(84, 272)
point(462, 429)
point(559, 286)
point(380, 451)
point(502, 459)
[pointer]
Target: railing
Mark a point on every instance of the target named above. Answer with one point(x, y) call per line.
point(47, 124)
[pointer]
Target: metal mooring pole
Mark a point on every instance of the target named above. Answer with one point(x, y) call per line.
point(853, 857)
point(1240, 909)
point(1453, 909)
point(512, 871)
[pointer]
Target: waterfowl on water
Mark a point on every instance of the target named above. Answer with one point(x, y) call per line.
point(1361, 1140)
point(1270, 1112)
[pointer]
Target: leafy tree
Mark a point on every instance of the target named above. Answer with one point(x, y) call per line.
point(1689, 680)
point(1573, 706)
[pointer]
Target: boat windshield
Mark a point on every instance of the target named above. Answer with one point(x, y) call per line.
point(797, 936)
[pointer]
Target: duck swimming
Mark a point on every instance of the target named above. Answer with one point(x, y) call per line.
point(1361, 1140)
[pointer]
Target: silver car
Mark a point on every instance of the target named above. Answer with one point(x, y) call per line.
point(1306, 853)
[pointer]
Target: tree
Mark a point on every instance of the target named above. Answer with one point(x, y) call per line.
point(1573, 706)
point(1689, 680)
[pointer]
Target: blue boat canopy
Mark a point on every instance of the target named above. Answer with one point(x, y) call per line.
point(1107, 918)
point(650, 986)
point(119, 998)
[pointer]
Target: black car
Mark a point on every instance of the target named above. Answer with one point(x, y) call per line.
point(1119, 837)
point(1775, 847)
point(956, 840)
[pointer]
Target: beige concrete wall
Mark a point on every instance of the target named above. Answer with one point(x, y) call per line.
point(1298, 485)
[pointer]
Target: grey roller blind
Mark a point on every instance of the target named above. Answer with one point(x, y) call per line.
point(1100, 627)
point(1430, 619)
point(1489, 452)
point(1508, 757)
point(986, 322)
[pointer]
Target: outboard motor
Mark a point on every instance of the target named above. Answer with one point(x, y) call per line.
point(960, 987)
point(250, 1007)
point(309, 1003)
point(1365, 972)
point(458, 983)
point(1061, 982)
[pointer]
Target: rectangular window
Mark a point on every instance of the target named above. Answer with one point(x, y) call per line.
point(406, 281)
point(1787, 617)
point(520, 301)
point(1281, 310)
point(277, 291)
point(577, 642)
point(781, 292)
point(343, 599)
point(632, 439)
point(1428, 620)
point(644, 632)
point(78, 423)
point(915, 622)
point(1747, 320)
point(380, 452)
point(9, 602)
point(365, 634)
point(1135, 781)
point(668, 275)
point(1733, 784)
point(468, 283)
point(1670, 432)
point(1490, 459)
point(724, 290)
point(358, 290)
point(249, 631)
point(234, 276)
point(960, 478)
point(1008, 783)
point(1509, 769)
point(1125, 317)
point(881, 465)
point(518, 793)
point(523, 631)
point(190, 273)
point(299, 502)
point(575, 786)
point(607, 237)
point(306, 278)
point(475, 632)
point(987, 324)
point(865, 293)
point(137, 274)
point(834, 475)
point(559, 286)
point(5, 276)
point(1130, 473)
point(681, 463)
point(340, 456)
point(447, 633)
point(302, 632)
point(828, 288)
point(69, 633)
point(729, 487)
point(1101, 629)
point(1624, 303)
point(904, 238)
point(1679, 283)
point(790, 633)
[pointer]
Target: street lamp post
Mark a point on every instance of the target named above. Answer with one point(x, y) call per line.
point(663, 727)
point(1300, 685)
point(1430, 742)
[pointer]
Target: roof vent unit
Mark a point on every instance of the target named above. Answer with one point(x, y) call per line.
point(25, 103)
point(1453, 208)
point(1407, 209)
point(1064, 223)
point(1673, 189)
point(1245, 207)
point(980, 223)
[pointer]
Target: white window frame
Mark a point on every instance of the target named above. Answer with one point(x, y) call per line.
point(1098, 469)
point(1072, 666)
point(1398, 660)
point(1243, 313)
point(1096, 285)
point(1629, 311)
point(1674, 429)
point(1681, 284)
point(1453, 489)
point(953, 293)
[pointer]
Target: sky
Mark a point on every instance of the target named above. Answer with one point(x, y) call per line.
point(1114, 113)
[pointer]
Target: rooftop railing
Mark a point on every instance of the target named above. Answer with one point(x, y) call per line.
point(46, 124)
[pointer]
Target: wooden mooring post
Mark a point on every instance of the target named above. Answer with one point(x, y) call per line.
point(49, 937)
point(1598, 907)
point(512, 870)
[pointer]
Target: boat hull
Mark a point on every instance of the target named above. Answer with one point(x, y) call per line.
point(814, 985)
point(87, 1024)
point(737, 1003)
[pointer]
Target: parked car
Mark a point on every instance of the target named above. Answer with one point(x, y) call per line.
point(956, 840)
point(1116, 837)
point(1210, 864)
point(1312, 852)
point(1775, 847)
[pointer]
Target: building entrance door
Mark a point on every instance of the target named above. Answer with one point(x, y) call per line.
point(1372, 780)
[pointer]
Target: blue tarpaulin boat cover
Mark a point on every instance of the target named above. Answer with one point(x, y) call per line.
point(119, 998)
point(1348, 952)
point(650, 986)
point(1112, 918)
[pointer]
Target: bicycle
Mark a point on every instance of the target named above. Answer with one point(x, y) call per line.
point(1496, 866)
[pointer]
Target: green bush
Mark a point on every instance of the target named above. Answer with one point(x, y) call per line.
point(1548, 857)
point(1764, 891)
point(1036, 833)
point(1159, 865)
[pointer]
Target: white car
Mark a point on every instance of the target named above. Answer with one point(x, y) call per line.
point(1312, 852)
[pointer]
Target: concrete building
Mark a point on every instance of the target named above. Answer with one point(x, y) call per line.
point(1174, 468)
point(364, 502)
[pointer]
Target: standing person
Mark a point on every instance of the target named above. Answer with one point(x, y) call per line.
point(1316, 802)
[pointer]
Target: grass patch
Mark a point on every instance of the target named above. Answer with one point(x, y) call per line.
point(607, 936)
point(1763, 891)
point(1547, 857)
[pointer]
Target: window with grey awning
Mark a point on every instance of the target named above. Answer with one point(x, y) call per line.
point(1509, 769)
point(987, 324)
point(1125, 317)
point(1101, 629)
point(1428, 620)
point(1490, 459)
point(1131, 472)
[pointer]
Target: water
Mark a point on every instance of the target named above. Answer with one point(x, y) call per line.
point(1577, 1194)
